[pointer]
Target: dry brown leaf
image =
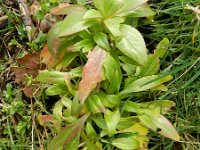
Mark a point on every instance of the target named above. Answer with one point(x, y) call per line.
point(28, 65)
point(92, 73)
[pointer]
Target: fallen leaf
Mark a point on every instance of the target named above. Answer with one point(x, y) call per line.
point(29, 65)
point(92, 73)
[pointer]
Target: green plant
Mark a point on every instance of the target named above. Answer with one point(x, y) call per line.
point(102, 71)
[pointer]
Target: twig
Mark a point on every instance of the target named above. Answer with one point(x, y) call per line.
point(33, 124)
point(26, 17)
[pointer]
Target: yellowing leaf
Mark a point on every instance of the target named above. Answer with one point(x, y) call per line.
point(158, 123)
point(92, 73)
point(125, 143)
point(140, 129)
point(160, 106)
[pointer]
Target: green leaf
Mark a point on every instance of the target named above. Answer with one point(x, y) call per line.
point(57, 110)
point(132, 107)
point(161, 48)
point(102, 40)
point(56, 89)
point(73, 145)
point(91, 145)
point(133, 45)
point(152, 66)
point(112, 119)
point(74, 23)
point(145, 83)
point(142, 11)
point(90, 131)
point(52, 77)
point(67, 134)
point(127, 122)
point(158, 123)
point(113, 25)
point(100, 122)
point(94, 104)
point(125, 143)
point(107, 7)
point(85, 45)
point(109, 100)
point(113, 74)
point(68, 58)
point(92, 14)
point(160, 106)
point(129, 5)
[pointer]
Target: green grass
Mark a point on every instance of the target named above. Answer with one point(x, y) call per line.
point(173, 21)
point(180, 26)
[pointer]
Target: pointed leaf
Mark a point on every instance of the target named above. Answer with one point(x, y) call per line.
point(152, 67)
point(125, 143)
point(112, 119)
point(92, 73)
point(145, 83)
point(94, 104)
point(92, 14)
point(56, 90)
point(102, 40)
point(129, 5)
point(67, 134)
point(73, 145)
point(160, 106)
point(113, 25)
point(90, 131)
point(161, 48)
point(142, 11)
point(52, 77)
point(74, 23)
point(113, 74)
point(135, 49)
point(158, 123)
point(108, 8)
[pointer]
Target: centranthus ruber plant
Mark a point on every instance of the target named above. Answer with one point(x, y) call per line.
point(99, 66)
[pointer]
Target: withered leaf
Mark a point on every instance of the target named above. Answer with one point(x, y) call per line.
point(92, 73)
point(29, 65)
point(48, 59)
point(55, 11)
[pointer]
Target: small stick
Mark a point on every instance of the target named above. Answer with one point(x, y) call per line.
point(26, 17)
